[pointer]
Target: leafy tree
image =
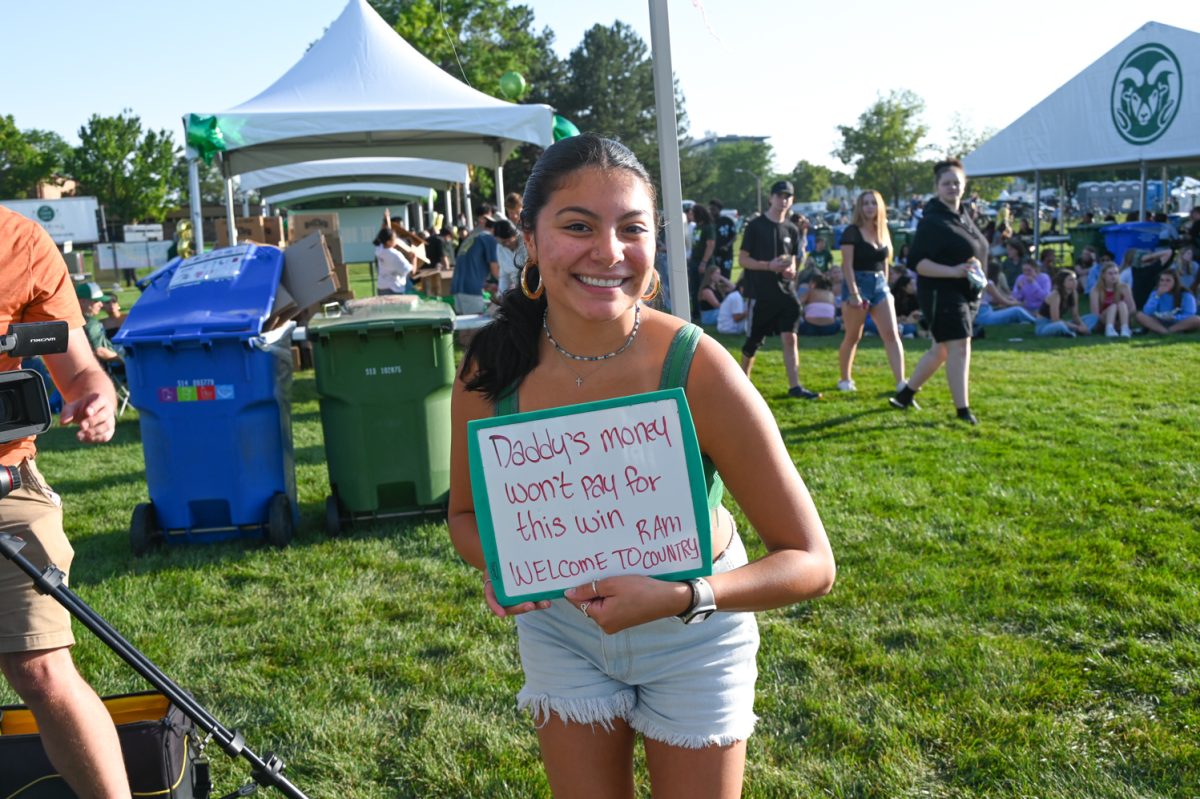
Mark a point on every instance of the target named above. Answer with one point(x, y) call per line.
point(610, 91)
point(965, 140)
point(885, 145)
point(727, 172)
point(133, 175)
point(810, 180)
point(28, 158)
point(477, 41)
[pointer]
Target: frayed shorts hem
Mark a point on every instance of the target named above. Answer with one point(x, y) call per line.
point(599, 710)
point(657, 732)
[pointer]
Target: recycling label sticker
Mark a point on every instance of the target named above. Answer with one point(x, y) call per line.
point(223, 264)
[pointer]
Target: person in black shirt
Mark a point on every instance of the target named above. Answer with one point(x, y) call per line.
point(768, 257)
point(726, 228)
point(945, 245)
point(866, 257)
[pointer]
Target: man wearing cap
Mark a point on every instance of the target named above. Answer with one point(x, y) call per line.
point(91, 299)
point(726, 230)
point(35, 631)
point(768, 256)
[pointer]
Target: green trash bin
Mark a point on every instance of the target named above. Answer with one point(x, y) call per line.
point(384, 375)
point(900, 236)
point(1084, 235)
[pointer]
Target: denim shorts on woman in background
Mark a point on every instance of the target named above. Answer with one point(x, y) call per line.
point(687, 685)
point(872, 287)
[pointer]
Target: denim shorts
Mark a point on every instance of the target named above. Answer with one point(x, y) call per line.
point(687, 685)
point(872, 287)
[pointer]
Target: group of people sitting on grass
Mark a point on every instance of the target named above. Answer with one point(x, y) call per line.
point(1156, 290)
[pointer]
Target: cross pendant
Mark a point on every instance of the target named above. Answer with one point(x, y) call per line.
point(578, 381)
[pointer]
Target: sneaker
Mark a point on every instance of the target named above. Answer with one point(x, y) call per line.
point(900, 384)
point(903, 406)
point(800, 392)
point(847, 385)
point(1110, 331)
point(1126, 332)
point(967, 417)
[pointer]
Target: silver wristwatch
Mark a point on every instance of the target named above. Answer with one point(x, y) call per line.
point(704, 602)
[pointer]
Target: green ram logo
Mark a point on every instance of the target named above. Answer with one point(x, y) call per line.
point(1146, 93)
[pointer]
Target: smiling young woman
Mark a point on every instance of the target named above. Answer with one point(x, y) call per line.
point(576, 331)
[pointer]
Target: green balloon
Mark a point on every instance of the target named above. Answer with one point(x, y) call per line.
point(512, 85)
point(203, 135)
point(564, 128)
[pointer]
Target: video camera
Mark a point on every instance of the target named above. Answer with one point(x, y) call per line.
point(24, 403)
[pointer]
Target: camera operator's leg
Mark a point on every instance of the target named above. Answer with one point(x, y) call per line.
point(35, 633)
point(76, 730)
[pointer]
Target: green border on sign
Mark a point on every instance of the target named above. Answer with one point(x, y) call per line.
point(691, 454)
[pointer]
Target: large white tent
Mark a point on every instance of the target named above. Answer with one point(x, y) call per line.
point(1138, 104)
point(411, 171)
point(362, 91)
point(334, 190)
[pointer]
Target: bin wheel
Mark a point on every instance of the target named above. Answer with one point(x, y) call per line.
point(279, 521)
point(142, 532)
point(333, 516)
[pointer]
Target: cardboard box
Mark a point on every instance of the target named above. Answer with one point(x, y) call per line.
point(249, 228)
point(341, 275)
point(273, 230)
point(308, 271)
point(435, 282)
point(302, 225)
point(285, 308)
point(334, 243)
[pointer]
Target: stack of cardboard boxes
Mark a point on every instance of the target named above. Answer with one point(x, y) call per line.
point(300, 226)
point(258, 229)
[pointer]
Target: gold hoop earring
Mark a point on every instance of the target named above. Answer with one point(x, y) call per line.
point(533, 295)
point(654, 290)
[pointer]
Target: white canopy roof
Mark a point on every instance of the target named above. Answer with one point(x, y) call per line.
point(337, 190)
point(1139, 102)
point(362, 91)
point(412, 171)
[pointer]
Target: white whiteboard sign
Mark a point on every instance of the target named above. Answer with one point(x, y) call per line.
point(568, 495)
point(68, 219)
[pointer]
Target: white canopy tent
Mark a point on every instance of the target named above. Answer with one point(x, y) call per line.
point(362, 91)
point(1137, 105)
point(332, 190)
point(441, 175)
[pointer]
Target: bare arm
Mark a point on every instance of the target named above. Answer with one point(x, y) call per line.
point(928, 268)
point(90, 399)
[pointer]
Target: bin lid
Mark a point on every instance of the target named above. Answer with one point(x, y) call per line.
point(225, 293)
point(385, 315)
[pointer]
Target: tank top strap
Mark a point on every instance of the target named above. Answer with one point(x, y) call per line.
point(678, 362)
point(507, 404)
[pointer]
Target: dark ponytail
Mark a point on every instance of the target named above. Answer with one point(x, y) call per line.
point(506, 350)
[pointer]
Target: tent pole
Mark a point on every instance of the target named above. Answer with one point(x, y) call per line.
point(467, 206)
point(229, 212)
point(449, 208)
point(1142, 194)
point(1166, 192)
point(407, 224)
point(420, 217)
point(1037, 214)
point(500, 188)
point(194, 202)
point(430, 204)
point(668, 152)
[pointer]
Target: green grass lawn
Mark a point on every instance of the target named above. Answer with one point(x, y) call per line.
point(1016, 611)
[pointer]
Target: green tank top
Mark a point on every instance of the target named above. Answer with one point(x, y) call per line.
point(676, 367)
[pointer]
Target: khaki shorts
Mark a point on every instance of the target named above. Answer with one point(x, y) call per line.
point(30, 621)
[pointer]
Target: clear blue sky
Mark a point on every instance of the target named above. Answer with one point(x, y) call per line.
point(792, 69)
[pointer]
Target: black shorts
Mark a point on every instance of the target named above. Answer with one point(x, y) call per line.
point(770, 317)
point(947, 314)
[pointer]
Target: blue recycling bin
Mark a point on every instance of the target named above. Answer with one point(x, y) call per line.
point(212, 390)
point(1129, 235)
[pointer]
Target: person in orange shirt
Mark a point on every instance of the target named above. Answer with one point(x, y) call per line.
point(35, 631)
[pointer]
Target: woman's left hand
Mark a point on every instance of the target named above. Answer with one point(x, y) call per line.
point(618, 603)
